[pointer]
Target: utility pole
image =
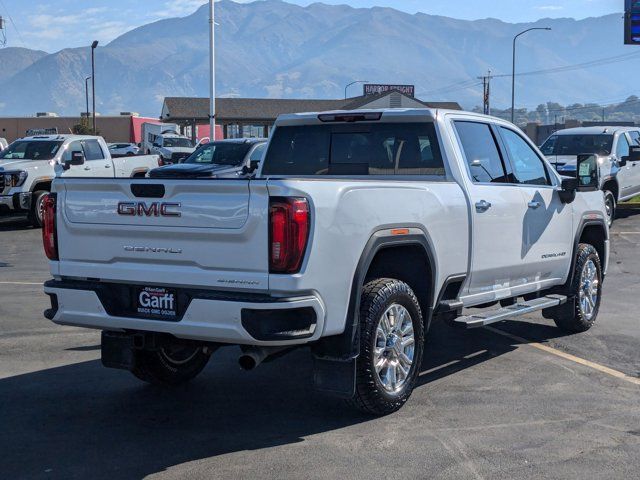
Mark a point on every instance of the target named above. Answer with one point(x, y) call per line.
point(212, 72)
point(486, 92)
point(94, 45)
point(86, 97)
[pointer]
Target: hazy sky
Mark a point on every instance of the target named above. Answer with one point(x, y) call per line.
point(52, 25)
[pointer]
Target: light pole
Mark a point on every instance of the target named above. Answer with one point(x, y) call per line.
point(212, 72)
point(352, 83)
point(86, 95)
point(513, 74)
point(94, 45)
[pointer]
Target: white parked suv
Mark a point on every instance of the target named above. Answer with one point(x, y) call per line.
point(357, 231)
point(123, 149)
point(29, 165)
point(618, 151)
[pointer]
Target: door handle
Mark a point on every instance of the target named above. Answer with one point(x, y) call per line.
point(483, 206)
point(107, 166)
point(534, 205)
point(87, 168)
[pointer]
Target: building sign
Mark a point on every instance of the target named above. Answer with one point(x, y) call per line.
point(375, 89)
point(632, 22)
point(41, 131)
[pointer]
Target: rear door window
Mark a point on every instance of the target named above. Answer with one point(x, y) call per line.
point(358, 149)
point(92, 150)
point(481, 152)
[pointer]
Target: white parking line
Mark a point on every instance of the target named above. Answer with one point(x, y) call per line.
point(568, 356)
point(21, 283)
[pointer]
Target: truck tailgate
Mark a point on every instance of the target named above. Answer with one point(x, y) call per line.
point(201, 233)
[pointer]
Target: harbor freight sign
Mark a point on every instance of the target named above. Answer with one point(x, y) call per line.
point(375, 89)
point(632, 22)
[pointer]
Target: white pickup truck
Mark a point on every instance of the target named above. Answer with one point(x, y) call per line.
point(358, 229)
point(618, 151)
point(28, 166)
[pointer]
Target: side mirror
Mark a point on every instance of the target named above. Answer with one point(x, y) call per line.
point(568, 189)
point(588, 173)
point(77, 158)
point(253, 165)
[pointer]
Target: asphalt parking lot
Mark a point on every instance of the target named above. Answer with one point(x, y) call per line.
point(517, 401)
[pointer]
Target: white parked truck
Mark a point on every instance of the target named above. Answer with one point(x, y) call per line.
point(357, 231)
point(165, 141)
point(618, 151)
point(29, 165)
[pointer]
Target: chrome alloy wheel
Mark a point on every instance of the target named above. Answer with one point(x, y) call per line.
point(588, 292)
point(394, 348)
point(609, 208)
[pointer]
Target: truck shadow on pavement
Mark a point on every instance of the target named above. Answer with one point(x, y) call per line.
point(81, 420)
point(10, 224)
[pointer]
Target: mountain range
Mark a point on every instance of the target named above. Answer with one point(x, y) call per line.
point(271, 48)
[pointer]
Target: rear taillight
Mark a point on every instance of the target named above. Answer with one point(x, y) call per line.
point(288, 233)
point(49, 234)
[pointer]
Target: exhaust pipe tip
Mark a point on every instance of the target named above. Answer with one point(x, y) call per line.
point(247, 362)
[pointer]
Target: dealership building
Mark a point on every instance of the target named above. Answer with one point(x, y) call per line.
point(254, 117)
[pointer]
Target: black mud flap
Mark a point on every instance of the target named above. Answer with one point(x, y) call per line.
point(335, 377)
point(118, 350)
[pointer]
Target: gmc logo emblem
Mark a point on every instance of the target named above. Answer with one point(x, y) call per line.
point(155, 209)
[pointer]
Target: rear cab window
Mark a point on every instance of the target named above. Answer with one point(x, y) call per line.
point(360, 149)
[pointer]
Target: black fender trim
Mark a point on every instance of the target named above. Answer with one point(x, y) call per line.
point(335, 356)
point(584, 223)
point(346, 345)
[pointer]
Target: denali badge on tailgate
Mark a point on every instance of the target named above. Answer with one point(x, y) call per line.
point(155, 209)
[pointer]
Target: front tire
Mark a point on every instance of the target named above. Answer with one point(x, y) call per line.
point(36, 211)
point(610, 206)
point(172, 365)
point(391, 346)
point(580, 314)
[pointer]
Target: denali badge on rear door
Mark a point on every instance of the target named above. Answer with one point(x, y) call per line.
point(157, 302)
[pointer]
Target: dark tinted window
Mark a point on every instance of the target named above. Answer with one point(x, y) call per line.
point(72, 147)
point(359, 149)
point(528, 168)
point(220, 153)
point(92, 150)
point(177, 143)
point(35, 150)
point(578, 145)
point(481, 152)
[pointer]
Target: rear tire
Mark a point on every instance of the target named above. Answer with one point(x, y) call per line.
point(170, 366)
point(610, 205)
point(36, 211)
point(391, 346)
point(580, 313)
